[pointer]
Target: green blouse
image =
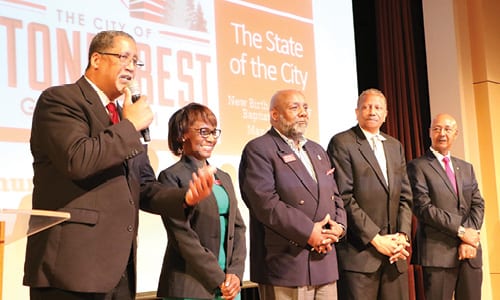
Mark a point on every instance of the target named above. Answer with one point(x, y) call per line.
point(223, 204)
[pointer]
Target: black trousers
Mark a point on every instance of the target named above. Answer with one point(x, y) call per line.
point(124, 290)
point(385, 283)
point(462, 283)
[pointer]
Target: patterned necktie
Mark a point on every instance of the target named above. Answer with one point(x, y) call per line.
point(378, 149)
point(449, 173)
point(113, 112)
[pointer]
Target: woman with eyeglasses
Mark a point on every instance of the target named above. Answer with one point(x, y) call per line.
point(205, 256)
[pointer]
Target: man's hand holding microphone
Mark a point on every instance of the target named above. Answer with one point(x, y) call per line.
point(137, 110)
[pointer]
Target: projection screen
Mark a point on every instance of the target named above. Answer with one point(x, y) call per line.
point(229, 55)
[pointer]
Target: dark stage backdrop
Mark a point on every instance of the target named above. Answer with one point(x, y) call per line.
point(390, 55)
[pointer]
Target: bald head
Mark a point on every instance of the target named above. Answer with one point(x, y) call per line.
point(283, 96)
point(443, 132)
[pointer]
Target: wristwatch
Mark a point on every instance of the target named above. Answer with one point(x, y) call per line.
point(461, 231)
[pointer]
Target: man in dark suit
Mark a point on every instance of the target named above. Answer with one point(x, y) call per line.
point(450, 212)
point(296, 213)
point(100, 173)
point(370, 170)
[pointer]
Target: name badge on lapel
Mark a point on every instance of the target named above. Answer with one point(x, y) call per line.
point(288, 158)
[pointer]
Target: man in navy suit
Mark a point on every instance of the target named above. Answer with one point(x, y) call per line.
point(371, 175)
point(296, 213)
point(450, 212)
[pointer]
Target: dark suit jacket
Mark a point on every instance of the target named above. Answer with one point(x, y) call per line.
point(98, 172)
point(190, 266)
point(372, 207)
point(284, 202)
point(440, 211)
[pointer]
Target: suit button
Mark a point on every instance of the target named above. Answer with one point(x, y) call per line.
point(130, 228)
point(301, 202)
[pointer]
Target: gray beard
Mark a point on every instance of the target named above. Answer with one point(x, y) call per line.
point(292, 130)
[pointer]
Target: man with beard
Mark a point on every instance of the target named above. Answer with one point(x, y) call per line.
point(296, 213)
point(370, 170)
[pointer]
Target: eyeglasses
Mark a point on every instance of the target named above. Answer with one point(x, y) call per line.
point(447, 130)
point(206, 132)
point(125, 59)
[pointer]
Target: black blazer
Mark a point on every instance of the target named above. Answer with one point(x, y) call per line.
point(440, 211)
point(372, 206)
point(98, 172)
point(190, 266)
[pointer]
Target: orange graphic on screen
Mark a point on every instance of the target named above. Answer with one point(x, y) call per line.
point(259, 52)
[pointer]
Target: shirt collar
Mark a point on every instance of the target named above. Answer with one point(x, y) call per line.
point(104, 99)
point(438, 155)
point(370, 135)
point(291, 142)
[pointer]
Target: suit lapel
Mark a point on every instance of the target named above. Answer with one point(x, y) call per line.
point(391, 152)
point(316, 162)
point(435, 164)
point(120, 110)
point(458, 177)
point(287, 155)
point(93, 99)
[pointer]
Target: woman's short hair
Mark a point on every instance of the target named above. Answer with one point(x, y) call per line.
point(182, 120)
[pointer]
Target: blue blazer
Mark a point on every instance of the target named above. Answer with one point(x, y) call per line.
point(284, 203)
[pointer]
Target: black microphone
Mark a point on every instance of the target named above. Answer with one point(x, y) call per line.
point(135, 89)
